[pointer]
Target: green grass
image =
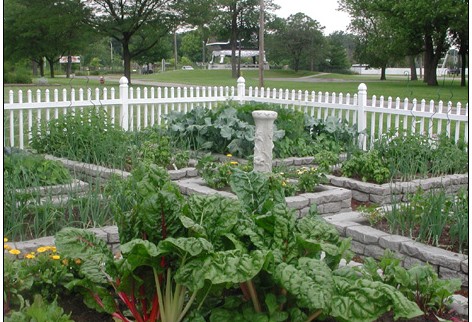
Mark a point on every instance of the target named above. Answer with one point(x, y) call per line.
point(395, 86)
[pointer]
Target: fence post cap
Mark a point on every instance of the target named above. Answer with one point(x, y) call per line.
point(241, 79)
point(123, 80)
point(362, 87)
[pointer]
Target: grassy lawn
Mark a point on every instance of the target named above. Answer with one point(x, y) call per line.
point(395, 86)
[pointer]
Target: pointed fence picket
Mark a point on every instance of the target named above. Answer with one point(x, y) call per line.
point(136, 108)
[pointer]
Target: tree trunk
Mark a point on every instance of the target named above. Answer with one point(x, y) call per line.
point(35, 67)
point(383, 73)
point(431, 59)
point(127, 60)
point(69, 66)
point(413, 75)
point(176, 56)
point(41, 67)
point(463, 67)
point(51, 66)
point(463, 53)
point(234, 39)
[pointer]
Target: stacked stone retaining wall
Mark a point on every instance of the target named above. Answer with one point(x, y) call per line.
point(382, 194)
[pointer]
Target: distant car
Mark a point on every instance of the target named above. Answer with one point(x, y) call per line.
point(187, 67)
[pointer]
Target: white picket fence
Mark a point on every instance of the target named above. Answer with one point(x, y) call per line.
point(138, 108)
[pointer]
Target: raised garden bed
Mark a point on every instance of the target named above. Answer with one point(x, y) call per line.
point(329, 200)
point(87, 170)
point(371, 242)
point(56, 194)
point(382, 194)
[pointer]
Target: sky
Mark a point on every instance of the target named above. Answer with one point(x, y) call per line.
point(323, 11)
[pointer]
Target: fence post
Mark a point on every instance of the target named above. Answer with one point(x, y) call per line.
point(241, 89)
point(361, 115)
point(124, 113)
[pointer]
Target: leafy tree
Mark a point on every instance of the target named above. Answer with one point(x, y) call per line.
point(298, 37)
point(337, 59)
point(43, 28)
point(137, 25)
point(408, 27)
point(237, 20)
point(460, 34)
point(191, 46)
point(376, 42)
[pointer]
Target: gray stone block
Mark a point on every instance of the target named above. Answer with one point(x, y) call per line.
point(380, 200)
point(307, 160)
point(341, 226)
point(465, 266)
point(409, 262)
point(460, 304)
point(446, 273)
point(433, 255)
point(360, 196)
point(357, 247)
point(346, 204)
point(374, 251)
point(177, 174)
point(112, 234)
point(393, 242)
point(297, 202)
point(100, 233)
point(329, 208)
point(191, 172)
point(297, 161)
point(365, 234)
point(352, 216)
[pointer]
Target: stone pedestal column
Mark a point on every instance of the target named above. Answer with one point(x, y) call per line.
point(263, 143)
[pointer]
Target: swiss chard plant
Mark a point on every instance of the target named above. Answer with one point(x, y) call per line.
point(419, 283)
point(230, 260)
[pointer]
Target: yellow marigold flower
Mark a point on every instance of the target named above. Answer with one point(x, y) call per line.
point(41, 249)
point(229, 155)
point(14, 251)
point(30, 256)
point(233, 162)
point(5, 239)
point(56, 257)
point(7, 247)
point(52, 248)
point(78, 261)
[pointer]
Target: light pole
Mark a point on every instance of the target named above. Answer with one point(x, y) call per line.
point(111, 54)
point(261, 44)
